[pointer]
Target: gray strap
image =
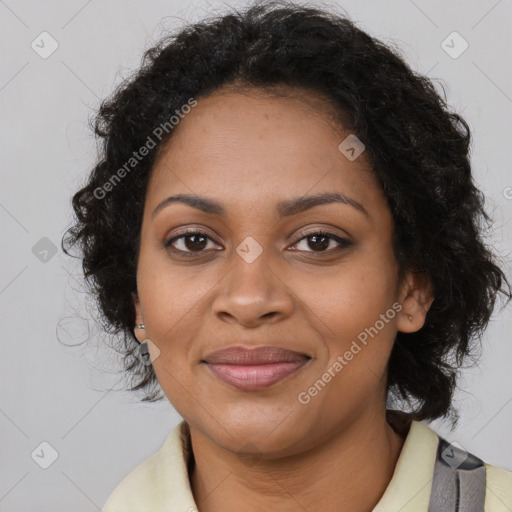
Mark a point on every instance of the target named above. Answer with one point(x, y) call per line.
point(459, 480)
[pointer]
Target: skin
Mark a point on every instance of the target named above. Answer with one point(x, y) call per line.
point(264, 450)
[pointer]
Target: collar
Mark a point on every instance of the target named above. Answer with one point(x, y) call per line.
point(162, 480)
point(411, 483)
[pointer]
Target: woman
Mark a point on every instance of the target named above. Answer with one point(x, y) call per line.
point(283, 227)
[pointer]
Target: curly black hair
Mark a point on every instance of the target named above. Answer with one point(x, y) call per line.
point(419, 150)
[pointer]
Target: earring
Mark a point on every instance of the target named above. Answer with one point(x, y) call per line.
point(410, 318)
point(141, 326)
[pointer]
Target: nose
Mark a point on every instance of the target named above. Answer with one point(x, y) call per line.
point(252, 293)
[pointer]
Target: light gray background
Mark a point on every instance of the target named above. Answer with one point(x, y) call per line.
point(61, 395)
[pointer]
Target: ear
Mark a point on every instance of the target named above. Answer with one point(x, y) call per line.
point(140, 334)
point(416, 297)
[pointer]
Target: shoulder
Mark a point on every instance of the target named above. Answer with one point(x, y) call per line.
point(156, 482)
point(132, 492)
point(465, 477)
point(498, 496)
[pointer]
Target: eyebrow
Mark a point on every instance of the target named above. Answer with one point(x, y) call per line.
point(285, 208)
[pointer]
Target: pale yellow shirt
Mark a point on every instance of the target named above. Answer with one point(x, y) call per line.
point(161, 483)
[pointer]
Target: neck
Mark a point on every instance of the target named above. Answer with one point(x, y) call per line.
point(348, 471)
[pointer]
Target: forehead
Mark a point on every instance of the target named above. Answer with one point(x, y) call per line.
point(252, 144)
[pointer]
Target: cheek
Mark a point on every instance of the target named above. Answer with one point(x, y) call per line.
point(171, 313)
point(351, 298)
point(358, 325)
point(179, 387)
point(172, 299)
point(354, 314)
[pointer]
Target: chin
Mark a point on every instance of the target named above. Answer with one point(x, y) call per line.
point(259, 432)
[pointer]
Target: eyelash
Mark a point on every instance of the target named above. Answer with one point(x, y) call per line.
point(342, 241)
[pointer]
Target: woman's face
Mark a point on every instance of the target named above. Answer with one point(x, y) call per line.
point(256, 275)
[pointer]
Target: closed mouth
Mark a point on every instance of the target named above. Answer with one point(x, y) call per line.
point(253, 369)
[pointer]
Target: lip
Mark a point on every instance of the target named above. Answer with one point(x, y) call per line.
point(254, 368)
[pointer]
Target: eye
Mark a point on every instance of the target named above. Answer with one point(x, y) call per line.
point(195, 241)
point(322, 240)
point(191, 241)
